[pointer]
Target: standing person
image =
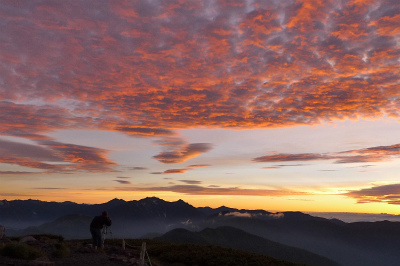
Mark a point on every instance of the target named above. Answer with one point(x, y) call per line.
point(95, 229)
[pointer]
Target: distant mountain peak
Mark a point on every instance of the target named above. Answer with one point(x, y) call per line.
point(152, 199)
point(116, 200)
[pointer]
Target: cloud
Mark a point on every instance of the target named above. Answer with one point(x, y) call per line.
point(199, 165)
point(149, 69)
point(200, 190)
point(175, 171)
point(82, 157)
point(52, 156)
point(35, 152)
point(183, 170)
point(278, 215)
point(49, 188)
point(141, 131)
point(124, 182)
point(237, 214)
point(129, 66)
point(138, 168)
point(372, 154)
point(192, 182)
point(183, 153)
point(384, 193)
point(17, 173)
point(123, 177)
point(291, 157)
point(281, 165)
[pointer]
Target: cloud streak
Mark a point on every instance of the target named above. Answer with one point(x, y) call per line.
point(385, 193)
point(52, 156)
point(183, 152)
point(193, 189)
point(373, 154)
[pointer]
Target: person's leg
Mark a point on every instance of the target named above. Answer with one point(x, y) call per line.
point(96, 236)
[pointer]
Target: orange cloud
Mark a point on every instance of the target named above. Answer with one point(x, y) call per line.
point(183, 153)
point(199, 165)
point(176, 171)
point(148, 69)
point(386, 193)
point(162, 69)
point(183, 170)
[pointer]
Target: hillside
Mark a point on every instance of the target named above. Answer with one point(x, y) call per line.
point(238, 239)
point(53, 250)
point(350, 244)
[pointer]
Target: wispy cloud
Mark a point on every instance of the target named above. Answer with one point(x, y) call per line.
point(384, 193)
point(215, 190)
point(292, 157)
point(199, 165)
point(49, 188)
point(54, 156)
point(124, 182)
point(17, 173)
point(138, 168)
point(373, 154)
point(183, 152)
point(143, 131)
point(183, 170)
point(176, 171)
point(282, 165)
point(83, 157)
point(191, 182)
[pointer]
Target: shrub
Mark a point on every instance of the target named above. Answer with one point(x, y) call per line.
point(61, 251)
point(20, 251)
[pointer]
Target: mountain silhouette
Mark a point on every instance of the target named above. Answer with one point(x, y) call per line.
point(350, 244)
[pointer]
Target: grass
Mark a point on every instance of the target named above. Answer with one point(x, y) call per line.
point(20, 251)
point(160, 252)
point(165, 253)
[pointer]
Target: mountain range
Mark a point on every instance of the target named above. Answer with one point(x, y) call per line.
point(292, 236)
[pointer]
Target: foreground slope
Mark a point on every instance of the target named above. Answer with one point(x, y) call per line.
point(238, 239)
point(77, 252)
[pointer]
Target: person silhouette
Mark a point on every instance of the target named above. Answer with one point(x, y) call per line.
point(95, 229)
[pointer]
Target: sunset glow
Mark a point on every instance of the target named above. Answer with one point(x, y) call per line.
point(275, 105)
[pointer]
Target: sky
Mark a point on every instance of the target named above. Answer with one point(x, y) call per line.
point(280, 105)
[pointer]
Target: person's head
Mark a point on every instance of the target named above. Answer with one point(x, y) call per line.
point(104, 213)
